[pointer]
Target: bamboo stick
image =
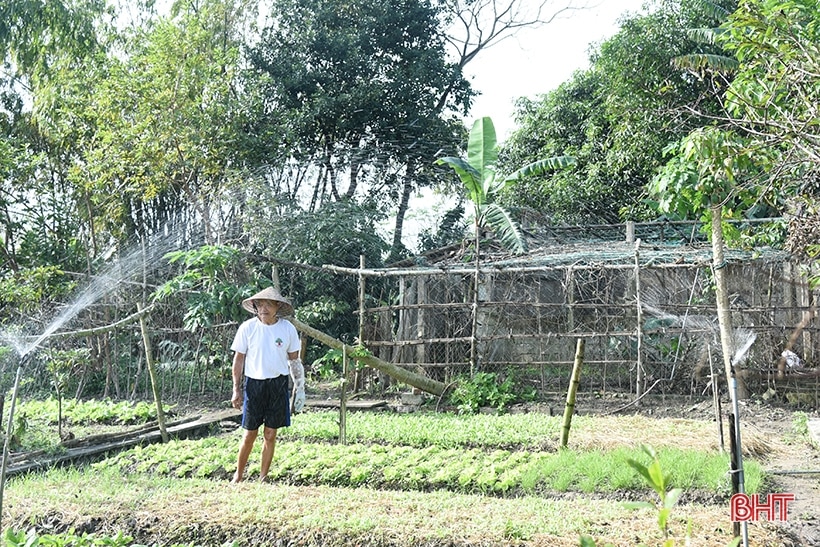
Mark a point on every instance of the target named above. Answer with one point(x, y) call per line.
point(569, 409)
point(149, 361)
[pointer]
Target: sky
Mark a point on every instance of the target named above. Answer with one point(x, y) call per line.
point(536, 61)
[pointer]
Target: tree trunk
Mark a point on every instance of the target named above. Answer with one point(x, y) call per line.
point(722, 302)
point(404, 203)
point(149, 360)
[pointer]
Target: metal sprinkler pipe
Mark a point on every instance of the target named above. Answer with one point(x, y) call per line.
point(4, 464)
point(738, 455)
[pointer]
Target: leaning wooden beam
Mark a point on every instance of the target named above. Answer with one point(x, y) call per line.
point(402, 375)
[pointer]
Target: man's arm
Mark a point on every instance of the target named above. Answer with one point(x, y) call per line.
point(238, 372)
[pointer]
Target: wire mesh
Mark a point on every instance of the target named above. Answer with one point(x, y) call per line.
point(647, 314)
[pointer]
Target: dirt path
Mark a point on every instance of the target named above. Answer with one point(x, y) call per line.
point(796, 470)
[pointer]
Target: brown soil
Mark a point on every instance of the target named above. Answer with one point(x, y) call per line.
point(768, 435)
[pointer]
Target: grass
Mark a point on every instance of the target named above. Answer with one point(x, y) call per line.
point(404, 480)
point(351, 515)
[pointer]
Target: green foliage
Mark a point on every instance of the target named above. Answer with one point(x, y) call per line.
point(450, 231)
point(208, 280)
point(616, 119)
point(37, 426)
point(93, 411)
point(655, 477)
point(329, 365)
point(28, 289)
point(480, 176)
point(30, 538)
point(62, 363)
point(775, 88)
point(708, 169)
point(164, 119)
point(485, 389)
point(452, 452)
point(355, 93)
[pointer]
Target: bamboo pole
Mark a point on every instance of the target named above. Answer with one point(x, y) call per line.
point(402, 375)
point(343, 400)
point(101, 330)
point(149, 361)
point(569, 409)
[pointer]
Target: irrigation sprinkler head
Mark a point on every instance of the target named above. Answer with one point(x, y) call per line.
point(26, 358)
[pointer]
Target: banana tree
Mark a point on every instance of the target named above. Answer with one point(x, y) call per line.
point(483, 182)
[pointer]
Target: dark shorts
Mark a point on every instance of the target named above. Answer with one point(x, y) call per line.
point(266, 402)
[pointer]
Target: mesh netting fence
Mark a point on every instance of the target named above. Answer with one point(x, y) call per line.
point(647, 316)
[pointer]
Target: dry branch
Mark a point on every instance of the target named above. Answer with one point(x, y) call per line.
point(401, 374)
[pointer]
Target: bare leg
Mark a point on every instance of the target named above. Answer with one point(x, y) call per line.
point(268, 446)
point(245, 448)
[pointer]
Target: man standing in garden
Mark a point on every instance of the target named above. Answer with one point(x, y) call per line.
point(266, 353)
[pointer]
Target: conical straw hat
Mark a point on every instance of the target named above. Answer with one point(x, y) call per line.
point(285, 307)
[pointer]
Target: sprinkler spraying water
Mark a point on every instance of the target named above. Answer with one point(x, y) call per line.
point(105, 283)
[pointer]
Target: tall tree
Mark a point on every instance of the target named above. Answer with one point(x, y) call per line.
point(164, 123)
point(37, 40)
point(774, 94)
point(617, 117)
point(352, 93)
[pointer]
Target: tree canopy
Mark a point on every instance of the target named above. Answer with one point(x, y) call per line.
point(616, 117)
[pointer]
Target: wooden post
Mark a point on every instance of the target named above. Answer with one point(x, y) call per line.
point(149, 361)
point(569, 409)
point(421, 318)
point(569, 290)
point(357, 374)
point(343, 399)
point(639, 380)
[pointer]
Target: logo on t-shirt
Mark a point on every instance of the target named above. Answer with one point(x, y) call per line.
point(279, 342)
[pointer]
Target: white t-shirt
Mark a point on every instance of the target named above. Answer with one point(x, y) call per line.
point(266, 347)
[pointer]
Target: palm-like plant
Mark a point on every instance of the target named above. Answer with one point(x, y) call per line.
point(483, 183)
